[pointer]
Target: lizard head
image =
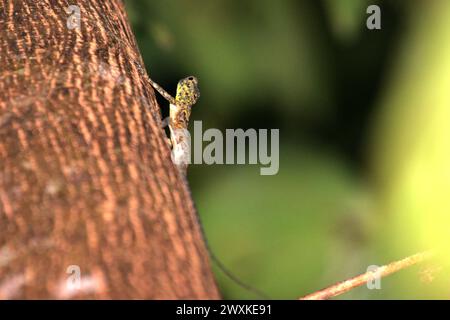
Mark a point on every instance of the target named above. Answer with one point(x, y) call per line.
point(187, 91)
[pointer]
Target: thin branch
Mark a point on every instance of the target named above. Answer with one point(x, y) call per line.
point(347, 285)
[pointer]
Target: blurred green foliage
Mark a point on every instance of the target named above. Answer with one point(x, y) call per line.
point(351, 106)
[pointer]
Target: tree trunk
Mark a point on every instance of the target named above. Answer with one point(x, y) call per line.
point(91, 205)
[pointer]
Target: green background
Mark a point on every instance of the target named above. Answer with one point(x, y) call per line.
point(363, 118)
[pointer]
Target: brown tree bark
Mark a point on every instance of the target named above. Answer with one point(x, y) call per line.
point(86, 179)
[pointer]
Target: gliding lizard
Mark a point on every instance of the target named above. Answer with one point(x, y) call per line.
point(180, 110)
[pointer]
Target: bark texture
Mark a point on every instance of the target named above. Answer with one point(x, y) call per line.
point(86, 179)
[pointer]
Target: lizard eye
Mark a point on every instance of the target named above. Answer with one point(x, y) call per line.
point(191, 78)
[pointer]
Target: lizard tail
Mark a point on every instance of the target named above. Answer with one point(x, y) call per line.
point(238, 281)
point(224, 269)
